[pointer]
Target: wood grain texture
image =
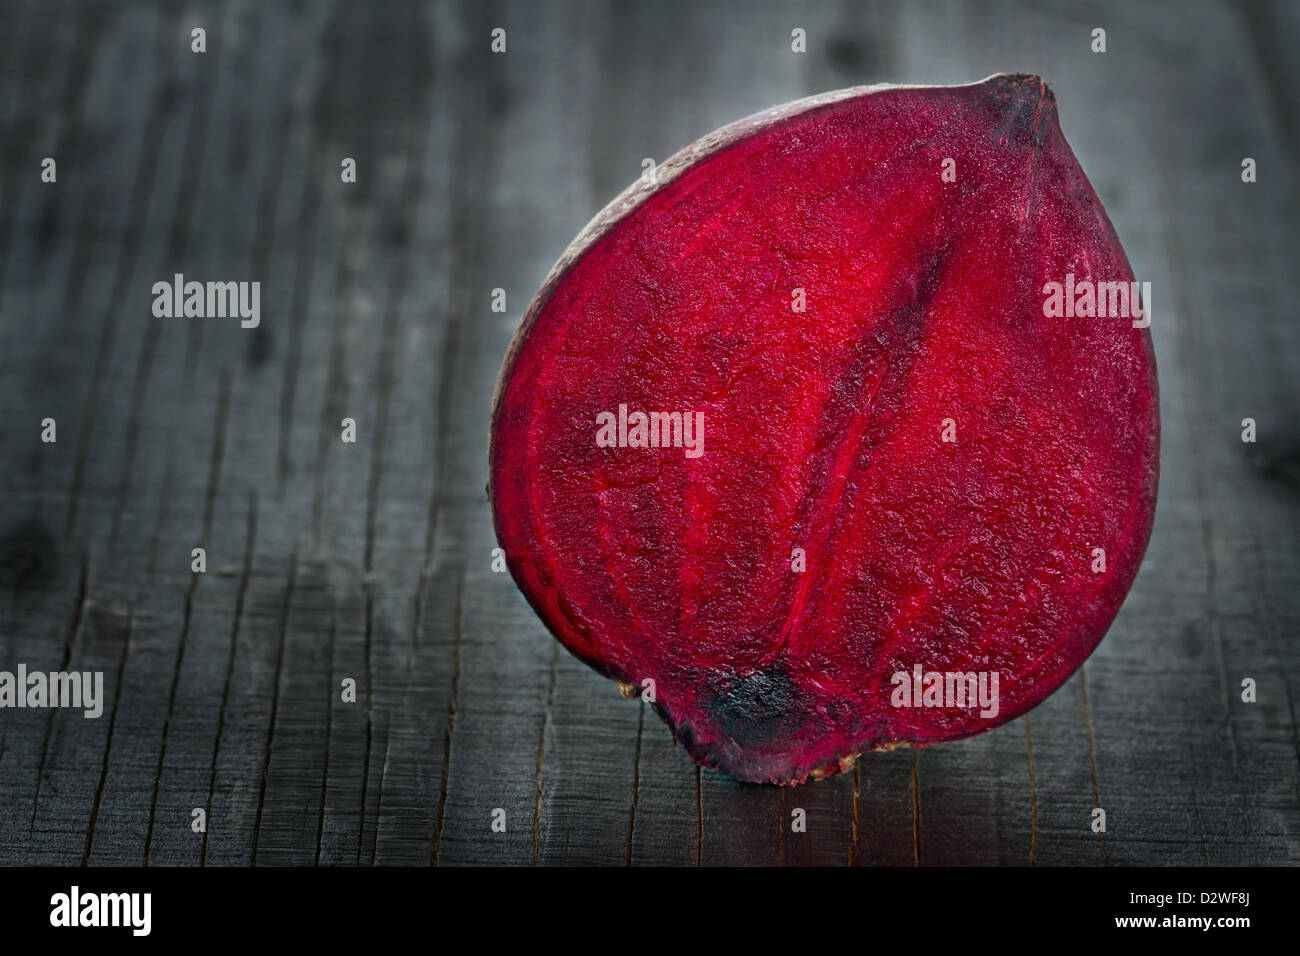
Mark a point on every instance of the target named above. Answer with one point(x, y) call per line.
point(372, 561)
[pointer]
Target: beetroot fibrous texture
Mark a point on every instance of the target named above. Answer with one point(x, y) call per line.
point(900, 466)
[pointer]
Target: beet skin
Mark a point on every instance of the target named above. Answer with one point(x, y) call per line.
point(822, 438)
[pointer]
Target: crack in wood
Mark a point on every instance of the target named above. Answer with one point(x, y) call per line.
point(452, 702)
point(249, 543)
point(214, 477)
point(108, 746)
point(275, 704)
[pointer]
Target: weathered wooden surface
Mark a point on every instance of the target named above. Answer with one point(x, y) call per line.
point(372, 560)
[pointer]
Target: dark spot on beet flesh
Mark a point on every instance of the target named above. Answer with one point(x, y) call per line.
point(756, 707)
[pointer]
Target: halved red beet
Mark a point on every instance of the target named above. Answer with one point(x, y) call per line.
point(968, 474)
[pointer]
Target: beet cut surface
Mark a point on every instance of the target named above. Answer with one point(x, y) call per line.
point(822, 428)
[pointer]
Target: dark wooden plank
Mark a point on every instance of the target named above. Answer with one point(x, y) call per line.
point(414, 650)
point(1243, 495)
point(666, 822)
point(498, 741)
point(173, 508)
point(340, 345)
point(1161, 753)
point(886, 809)
point(202, 678)
point(73, 284)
